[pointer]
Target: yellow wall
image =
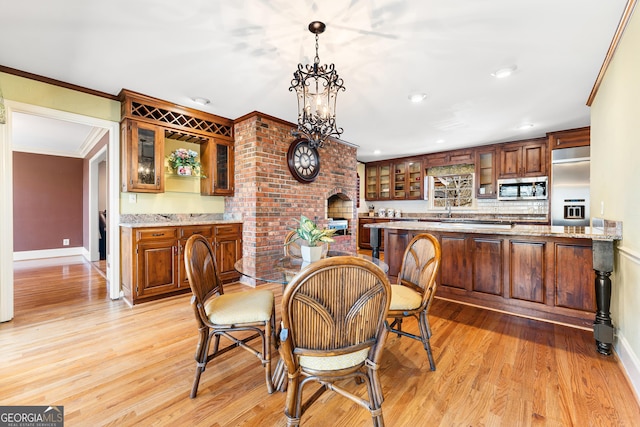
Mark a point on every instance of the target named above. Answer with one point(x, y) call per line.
point(45, 95)
point(28, 91)
point(615, 181)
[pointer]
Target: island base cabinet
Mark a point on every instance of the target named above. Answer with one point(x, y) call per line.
point(548, 279)
point(487, 252)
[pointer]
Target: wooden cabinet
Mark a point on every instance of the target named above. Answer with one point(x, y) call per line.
point(152, 258)
point(570, 138)
point(184, 234)
point(150, 262)
point(378, 181)
point(486, 173)
point(525, 158)
point(143, 157)
point(364, 233)
point(447, 158)
point(407, 180)
point(146, 124)
point(227, 242)
point(545, 278)
point(218, 163)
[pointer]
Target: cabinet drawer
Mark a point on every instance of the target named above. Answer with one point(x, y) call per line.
point(157, 233)
point(204, 230)
point(227, 230)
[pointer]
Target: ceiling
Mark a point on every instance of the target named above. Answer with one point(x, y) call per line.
point(241, 55)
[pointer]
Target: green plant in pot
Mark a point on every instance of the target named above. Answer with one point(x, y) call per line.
point(308, 231)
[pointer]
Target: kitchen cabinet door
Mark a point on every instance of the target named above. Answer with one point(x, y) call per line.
point(227, 242)
point(378, 181)
point(570, 138)
point(486, 174)
point(407, 180)
point(527, 270)
point(143, 157)
point(523, 159)
point(455, 267)
point(186, 232)
point(573, 280)
point(158, 270)
point(218, 166)
point(487, 265)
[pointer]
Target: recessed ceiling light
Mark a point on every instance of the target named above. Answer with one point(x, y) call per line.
point(440, 141)
point(201, 101)
point(525, 126)
point(504, 72)
point(417, 97)
point(376, 152)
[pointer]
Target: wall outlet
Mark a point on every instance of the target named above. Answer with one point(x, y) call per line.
point(602, 207)
point(133, 198)
point(65, 242)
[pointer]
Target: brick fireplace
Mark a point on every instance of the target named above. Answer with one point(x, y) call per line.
point(269, 199)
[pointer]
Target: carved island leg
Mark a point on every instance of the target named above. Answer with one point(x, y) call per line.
point(375, 240)
point(603, 266)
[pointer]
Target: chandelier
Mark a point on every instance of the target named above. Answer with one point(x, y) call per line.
point(317, 88)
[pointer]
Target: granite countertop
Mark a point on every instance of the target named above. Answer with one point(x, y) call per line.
point(174, 220)
point(481, 217)
point(611, 231)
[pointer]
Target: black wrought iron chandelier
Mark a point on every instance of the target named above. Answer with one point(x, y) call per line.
point(317, 88)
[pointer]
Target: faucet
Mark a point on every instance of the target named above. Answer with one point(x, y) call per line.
point(448, 209)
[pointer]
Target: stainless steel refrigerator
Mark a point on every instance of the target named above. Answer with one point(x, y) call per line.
point(570, 183)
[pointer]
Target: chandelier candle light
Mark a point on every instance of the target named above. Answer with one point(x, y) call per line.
point(317, 88)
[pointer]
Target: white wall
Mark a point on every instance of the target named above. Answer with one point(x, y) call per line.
point(615, 184)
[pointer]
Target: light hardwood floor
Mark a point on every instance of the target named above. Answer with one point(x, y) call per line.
point(110, 364)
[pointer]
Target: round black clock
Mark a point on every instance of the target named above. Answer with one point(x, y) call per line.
point(303, 160)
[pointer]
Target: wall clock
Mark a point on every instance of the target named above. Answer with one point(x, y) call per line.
point(303, 161)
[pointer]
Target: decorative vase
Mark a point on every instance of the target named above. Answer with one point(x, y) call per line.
point(184, 170)
point(311, 253)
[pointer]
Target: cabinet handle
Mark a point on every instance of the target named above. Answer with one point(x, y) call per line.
point(157, 234)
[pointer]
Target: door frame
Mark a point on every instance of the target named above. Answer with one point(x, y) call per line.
point(6, 195)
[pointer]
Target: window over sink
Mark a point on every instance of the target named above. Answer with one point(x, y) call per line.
point(451, 186)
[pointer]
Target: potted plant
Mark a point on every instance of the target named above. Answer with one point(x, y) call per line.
point(184, 162)
point(308, 231)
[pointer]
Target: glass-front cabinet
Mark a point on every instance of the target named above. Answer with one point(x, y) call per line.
point(486, 174)
point(218, 161)
point(143, 151)
point(378, 181)
point(407, 180)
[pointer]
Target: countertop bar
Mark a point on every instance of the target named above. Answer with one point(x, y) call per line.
point(173, 220)
point(609, 232)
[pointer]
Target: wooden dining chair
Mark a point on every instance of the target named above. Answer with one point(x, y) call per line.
point(292, 243)
point(415, 289)
point(333, 315)
point(225, 315)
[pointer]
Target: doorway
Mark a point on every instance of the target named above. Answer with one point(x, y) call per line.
point(6, 194)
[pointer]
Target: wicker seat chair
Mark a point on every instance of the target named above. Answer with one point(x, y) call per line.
point(224, 315)
point(333, 328)
point(416, 287)
point(293, 249)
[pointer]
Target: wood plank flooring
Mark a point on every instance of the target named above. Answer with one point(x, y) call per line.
point(113, 365)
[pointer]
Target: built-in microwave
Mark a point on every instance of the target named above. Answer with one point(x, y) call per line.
point(523, 188)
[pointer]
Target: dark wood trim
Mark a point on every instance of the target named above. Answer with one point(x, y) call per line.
point(622, 25)
point(54, 82)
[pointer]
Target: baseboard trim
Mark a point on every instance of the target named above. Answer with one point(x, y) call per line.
point(47, 253)
point(630, 363)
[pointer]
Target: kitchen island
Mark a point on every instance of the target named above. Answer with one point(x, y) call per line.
point(537, 271)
